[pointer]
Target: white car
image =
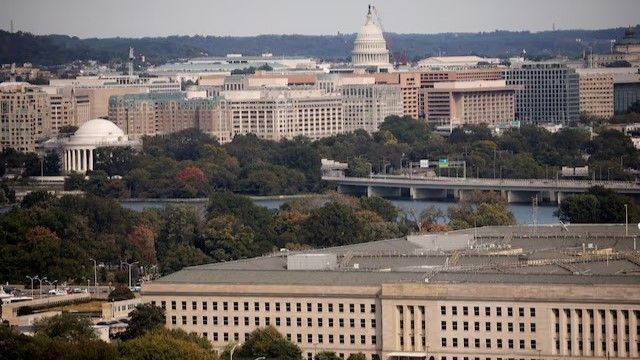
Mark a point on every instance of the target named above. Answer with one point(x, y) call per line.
point(57, 292)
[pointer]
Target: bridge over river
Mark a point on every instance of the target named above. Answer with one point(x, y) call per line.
point(441, 188)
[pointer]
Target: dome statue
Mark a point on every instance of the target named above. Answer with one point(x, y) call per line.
point(370, 48)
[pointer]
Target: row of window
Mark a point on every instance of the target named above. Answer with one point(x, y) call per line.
point(257, 306)
point(319, 322)
point(488, 343)
point(309, 339)
point(487, 326)
point(498, 311)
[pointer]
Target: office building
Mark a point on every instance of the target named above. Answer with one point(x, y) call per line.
point(370, 48)
point(626, 91)
point(367, 105)
point(548, 93)
point(596, 93)
point(155, 114)
point(24, 115)
point(625, 50)
point(30, 114)
point(470, 102)
point(283, 114)
point(443, 63)
point(492, 293)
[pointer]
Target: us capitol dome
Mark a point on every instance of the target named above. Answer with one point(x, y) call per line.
point(370, 48)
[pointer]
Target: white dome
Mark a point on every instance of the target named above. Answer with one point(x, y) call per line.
point(370, 48)
point(99, 127)
point(98, 132)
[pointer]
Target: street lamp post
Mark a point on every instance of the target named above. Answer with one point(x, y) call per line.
point(129, 265)
point(626, 220)
point(32, 278)
point(95, 275)
point(50, 283)
point(40, 287)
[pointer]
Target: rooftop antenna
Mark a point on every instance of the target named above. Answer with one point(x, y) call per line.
point(11, 26)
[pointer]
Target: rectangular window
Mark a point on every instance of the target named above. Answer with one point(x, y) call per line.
point(362, 308)
point(246, 306)
point(476, 343)
point(352, 323)
point(498, 311)
point(352, 308)
point(256, 306)
point(225, 306)
point(443, 341)
point(454, 325)
point(173, 305)
point(521, 344)
point(363, 323)
point(194, 305)
point(373, 339)
point(443, 325)
point(319, 308)
point(534, 345)
point(205, 320)
point(298, 307)
point(363, 339)
point(204, 305)
point(235, 306)
point(499, 343)
point(443, 310)
point(173, 320)
point(373, 308)
point(287, 307)
point(330, 306)
point(521, 311)
point(532, 312)
point(184, 305)
point(308, 307)
point(487, 311)
point(509, 311)
point(236, 321)
point(352, 339)
point(476, 310)
point(465, 310)
point(340, 307)
point(225, 320)
point(487, 326)
point(267, 306)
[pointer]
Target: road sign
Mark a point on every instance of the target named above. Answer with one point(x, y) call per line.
point(443, 163)
point(424, 163)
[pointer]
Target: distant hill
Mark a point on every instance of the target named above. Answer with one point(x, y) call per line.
point(58, 49)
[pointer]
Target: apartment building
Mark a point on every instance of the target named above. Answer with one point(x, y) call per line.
point(470, 102)
point(596, 93)
point(155, 114)
point(283, 114)
point(24, 115)
point(466, 295)
point(549, 93)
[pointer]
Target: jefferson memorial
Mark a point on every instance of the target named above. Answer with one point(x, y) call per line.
point(77, 150)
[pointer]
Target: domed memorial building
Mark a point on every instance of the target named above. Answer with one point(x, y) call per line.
point(77, 150)
point(370, 49)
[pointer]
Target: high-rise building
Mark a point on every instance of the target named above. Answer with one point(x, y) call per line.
point(367, 105)
point(522, 292)
point(596, 93)
point(370, 48)
point(470, 102)
point(154, 114)
point(24, 115)
point(283, 114)
point(548, 93)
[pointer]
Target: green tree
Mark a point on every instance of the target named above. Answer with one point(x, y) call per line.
point(179, 256)
point(74, 181)
point(228, 239)
point(167, 345)
point(120, 293)
point(357, 356)
point(598, 205)
point(358, 167)
point(333, 224)
point(37, 198)
point(326, 355)
point(143, 319)
point(268, 342)
point(65, 326)
point(380, 206)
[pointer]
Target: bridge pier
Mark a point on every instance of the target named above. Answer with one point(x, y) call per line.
point(514, 196)
point(384, 192)
point(352, 190)
point(423, 194)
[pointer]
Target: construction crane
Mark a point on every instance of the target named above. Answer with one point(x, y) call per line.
point(384, 32)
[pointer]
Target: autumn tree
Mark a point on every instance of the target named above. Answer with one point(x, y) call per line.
point(142, 239)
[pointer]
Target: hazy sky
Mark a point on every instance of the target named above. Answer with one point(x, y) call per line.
point(137, 18)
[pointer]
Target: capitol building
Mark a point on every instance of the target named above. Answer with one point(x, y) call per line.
point(370, 49)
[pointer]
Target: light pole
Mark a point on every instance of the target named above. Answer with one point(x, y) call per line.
point(232, 350)
point(626, 220)
point(50, 283)
point(129, 265)
point(32, 278)
point(95, 275)
point(40, 288)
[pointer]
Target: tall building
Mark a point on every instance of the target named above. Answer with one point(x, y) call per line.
point(367, 105)
point(626, 91)
point(155, 114)
point(492, 293)
point(370, 48)
point(548, 93)
point(30, 114)
point(596, 93)
point(24, 115)
point(470, 102)
point(283, 114)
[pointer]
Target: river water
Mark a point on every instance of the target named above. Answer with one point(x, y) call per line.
point(523, 213)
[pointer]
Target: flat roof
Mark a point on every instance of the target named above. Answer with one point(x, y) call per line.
point(543, 254)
